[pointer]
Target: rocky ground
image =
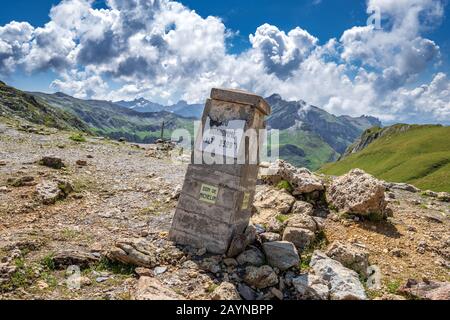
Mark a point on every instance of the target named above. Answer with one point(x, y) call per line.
point(88, 218)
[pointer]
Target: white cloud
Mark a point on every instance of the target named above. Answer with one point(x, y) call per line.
point(161, 50)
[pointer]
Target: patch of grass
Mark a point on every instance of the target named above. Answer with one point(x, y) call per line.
point(84, 183)
point(285, 185)
point(77, 137)
point(282, 218)
point(23, 277)
point(48, 263)
point(393, 286)
point(304, 263)
point(115, 267)
point(50, 279)
point(419, 155)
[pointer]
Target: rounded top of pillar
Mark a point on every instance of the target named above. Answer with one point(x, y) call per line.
point(242, 97)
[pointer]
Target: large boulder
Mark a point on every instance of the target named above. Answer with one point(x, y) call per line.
point(358, 193)
point(225, 291)
point(260, 277)
point(350, 256)
point(301, 179)
point(281, 254)
point(344, 283)
point(149, 288)
point(310, 286)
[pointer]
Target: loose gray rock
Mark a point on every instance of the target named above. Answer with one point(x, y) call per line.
point(344, 283)
point(427, 290)
point(401, 186)
point(152, 289)
point(270, 237)
point(350, 256)
point(301, 238)
point(281, 254)
point(136, 252)
point(80, 258)
point(225, 291)
point(260, 277)
point(246, 292)
point(303, 221)
point(252, 256)
point(301, 179)
point(241, 241)
point(269, 198)
point(312, 287)
point(302, 207)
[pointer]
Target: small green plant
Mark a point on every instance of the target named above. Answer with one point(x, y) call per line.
point(48, 262)
point(304, 263)
point(49, 279)
point(77, 137)
point(333, 208)
point(211, 288)
point(115, 267)
point(285, 185)
point(393, 286)
point(282, 218)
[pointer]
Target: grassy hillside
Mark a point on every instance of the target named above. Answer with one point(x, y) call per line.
point(419, 155)
point(15, 104)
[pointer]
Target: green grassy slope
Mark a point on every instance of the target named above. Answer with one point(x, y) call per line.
point(15, 104)
point(420, 156)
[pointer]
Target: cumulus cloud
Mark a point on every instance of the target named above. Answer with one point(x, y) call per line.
point(161, 50)
point(281, 53)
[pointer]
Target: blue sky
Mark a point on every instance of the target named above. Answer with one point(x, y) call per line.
point(398, 73)
point(325, 19)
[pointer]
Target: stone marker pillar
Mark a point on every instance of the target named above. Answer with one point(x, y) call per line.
point(216, 199)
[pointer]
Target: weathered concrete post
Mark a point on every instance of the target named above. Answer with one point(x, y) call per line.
point(215, 202)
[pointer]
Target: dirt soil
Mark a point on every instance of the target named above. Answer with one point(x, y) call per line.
point(124, 193)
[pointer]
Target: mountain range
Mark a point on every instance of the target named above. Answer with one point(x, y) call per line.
point(309, 136)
